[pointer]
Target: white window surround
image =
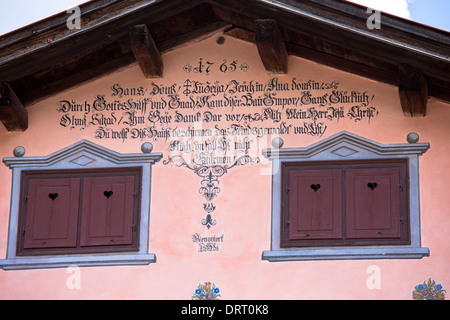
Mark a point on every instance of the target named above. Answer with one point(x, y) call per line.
point(347, 146)
point(81, 155)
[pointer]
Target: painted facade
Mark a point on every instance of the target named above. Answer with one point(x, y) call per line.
point(211, 120)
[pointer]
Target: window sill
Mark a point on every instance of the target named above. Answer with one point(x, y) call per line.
point(47, 262)
point(356, 253)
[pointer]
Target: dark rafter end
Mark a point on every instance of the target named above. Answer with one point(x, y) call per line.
point(413, 91)
point(13, 114)
point(271, 46)
point(146, 52)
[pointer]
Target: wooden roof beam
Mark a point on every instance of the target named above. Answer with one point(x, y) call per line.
point(271, 47)
point(13, 115)
point(413, 91)
point(146, 52)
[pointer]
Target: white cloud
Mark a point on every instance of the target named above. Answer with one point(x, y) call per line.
point(395, 7)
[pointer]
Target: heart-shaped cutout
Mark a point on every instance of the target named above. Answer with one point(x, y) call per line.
point(372, 185)
point(108, 194)
point(53, 196)
point(315, 187)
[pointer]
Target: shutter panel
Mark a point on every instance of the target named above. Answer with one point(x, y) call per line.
point(108, 211)
point(315, 205)
point(373, 203)
point(51, 216)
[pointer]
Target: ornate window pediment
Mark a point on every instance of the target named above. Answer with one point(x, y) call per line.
point(83, 156)
point(344, 148)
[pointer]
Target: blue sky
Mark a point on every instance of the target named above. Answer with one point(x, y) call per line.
point(429, 12)
point(17, 13)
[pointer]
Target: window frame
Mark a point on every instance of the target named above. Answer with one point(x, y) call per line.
point(83, 155)
point(136, 172)
point(339, 147)
point(343, 166)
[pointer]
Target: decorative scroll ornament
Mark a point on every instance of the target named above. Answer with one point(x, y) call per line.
point(210, 175)
point(209, 221)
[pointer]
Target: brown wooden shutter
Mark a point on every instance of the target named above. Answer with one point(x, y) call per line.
point(51, 216)
point(108, 211)
point(315, 205)
point(373, 203)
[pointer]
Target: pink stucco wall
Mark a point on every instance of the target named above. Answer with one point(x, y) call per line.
point(244, 203)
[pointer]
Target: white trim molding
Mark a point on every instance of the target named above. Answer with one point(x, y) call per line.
point(347, 146)
point(82, 155)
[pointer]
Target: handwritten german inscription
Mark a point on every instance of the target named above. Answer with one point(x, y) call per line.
point(193, 109)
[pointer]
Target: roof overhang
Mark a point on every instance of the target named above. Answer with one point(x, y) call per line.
point(47, 57)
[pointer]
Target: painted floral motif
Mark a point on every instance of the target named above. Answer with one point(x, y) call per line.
point(207, 291)
point(429, 290)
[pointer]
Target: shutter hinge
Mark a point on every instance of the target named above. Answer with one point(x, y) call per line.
point(287, 223)
point(401, 187)
point(288, 188)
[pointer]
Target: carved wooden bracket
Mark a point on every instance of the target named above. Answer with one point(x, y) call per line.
point(13, 115)
point(146, 52)
point(413, 91)
point(271, 47)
